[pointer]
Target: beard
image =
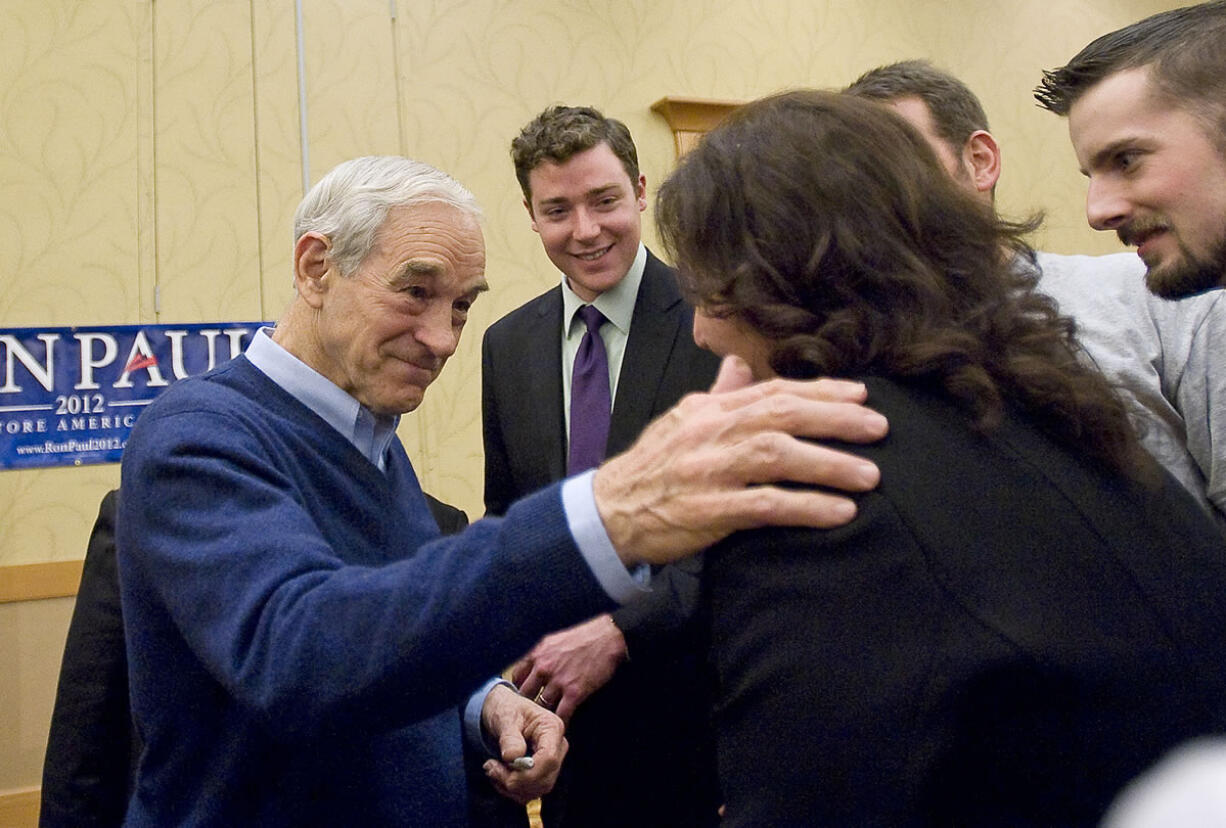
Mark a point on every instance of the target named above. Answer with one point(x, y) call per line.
point(1190, 275)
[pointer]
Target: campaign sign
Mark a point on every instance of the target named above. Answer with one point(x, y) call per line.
point(71, 395)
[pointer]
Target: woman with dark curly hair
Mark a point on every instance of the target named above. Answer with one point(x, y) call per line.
point(1027, 612)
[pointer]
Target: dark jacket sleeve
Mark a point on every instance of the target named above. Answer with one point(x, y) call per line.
point(667, 618)
point(91, 749)
point(450, 520)
point(498, 487)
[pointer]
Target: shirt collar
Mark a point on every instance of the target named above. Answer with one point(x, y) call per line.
point(616, 303)
point(369, 433)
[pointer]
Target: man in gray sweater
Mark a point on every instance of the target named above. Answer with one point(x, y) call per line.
point(1159, 353)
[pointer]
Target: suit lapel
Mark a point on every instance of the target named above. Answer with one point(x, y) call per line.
point(542, 393)
point(653, 333)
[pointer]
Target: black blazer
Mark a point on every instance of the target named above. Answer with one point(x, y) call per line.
point(1005, 635)
point(521, 380)
point(523, 421)
point(93, 746)
point(649, 721)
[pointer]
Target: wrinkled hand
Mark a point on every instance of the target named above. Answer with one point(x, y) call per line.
point(566, 667)
point(522, 728)
point(696, 474)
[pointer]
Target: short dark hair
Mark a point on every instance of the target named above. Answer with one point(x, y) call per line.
point(825, 223)
point(1185, 48)
point(562, 131)
point(956, 112)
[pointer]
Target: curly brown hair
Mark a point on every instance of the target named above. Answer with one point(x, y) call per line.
point(559, 132)
point(826, 224)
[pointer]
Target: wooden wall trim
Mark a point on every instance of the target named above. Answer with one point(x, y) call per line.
point(19, 808)
point(691, 118)
point(33, 582)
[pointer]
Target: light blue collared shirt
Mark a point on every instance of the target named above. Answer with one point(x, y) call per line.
point(617, 305)
point(371, 434)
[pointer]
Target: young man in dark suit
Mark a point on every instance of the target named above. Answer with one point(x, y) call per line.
point(627, 683)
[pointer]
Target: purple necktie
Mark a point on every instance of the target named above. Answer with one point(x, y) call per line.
point(589, 397)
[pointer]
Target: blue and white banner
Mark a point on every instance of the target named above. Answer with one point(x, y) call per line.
point(71, 395)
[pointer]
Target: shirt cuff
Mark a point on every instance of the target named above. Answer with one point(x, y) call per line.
point(473, 731)
point(579, 504)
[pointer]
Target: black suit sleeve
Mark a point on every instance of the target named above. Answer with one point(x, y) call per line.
point(498, 486)
point(91, 749)
point(667, 618)
point(450, 520)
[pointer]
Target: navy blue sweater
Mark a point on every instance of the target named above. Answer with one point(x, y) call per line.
point(299, 635)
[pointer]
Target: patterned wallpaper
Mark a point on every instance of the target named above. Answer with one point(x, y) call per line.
point(151, 158)
point(156, 147)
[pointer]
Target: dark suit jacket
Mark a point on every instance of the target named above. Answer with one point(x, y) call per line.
point(637, 752)
point(1005, 635)
point(92, 747)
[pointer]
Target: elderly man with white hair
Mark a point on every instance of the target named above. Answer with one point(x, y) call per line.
point(300, 636)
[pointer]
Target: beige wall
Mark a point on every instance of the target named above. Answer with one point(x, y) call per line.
point(151, 158)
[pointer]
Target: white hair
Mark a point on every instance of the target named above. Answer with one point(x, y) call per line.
point(351, 202)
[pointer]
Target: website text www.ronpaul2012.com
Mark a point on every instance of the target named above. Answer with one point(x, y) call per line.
point(89, 444)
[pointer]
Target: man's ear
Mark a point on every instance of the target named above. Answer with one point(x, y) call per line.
point(981, 158)
point(640, 193)
point(312, 267)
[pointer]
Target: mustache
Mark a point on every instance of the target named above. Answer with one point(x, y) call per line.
point(1135, 231)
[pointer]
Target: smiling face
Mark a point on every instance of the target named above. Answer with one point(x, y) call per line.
point(1156, 178)
point(383, 333)
point(587, 211)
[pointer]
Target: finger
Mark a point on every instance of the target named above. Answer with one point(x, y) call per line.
point(730, 394)
point(500, 776)
point(515, 786)
point(827, 388)
point(520, 671)
point(722, 420)
point(528, 784)
point(813, 418)
point(548, 753)
point(511, 744)
point(532, 684)
point(734, 373)
point(771, 506)
point(549, 744)
point(767, 458)
point(567, 706)
point(548, 699)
